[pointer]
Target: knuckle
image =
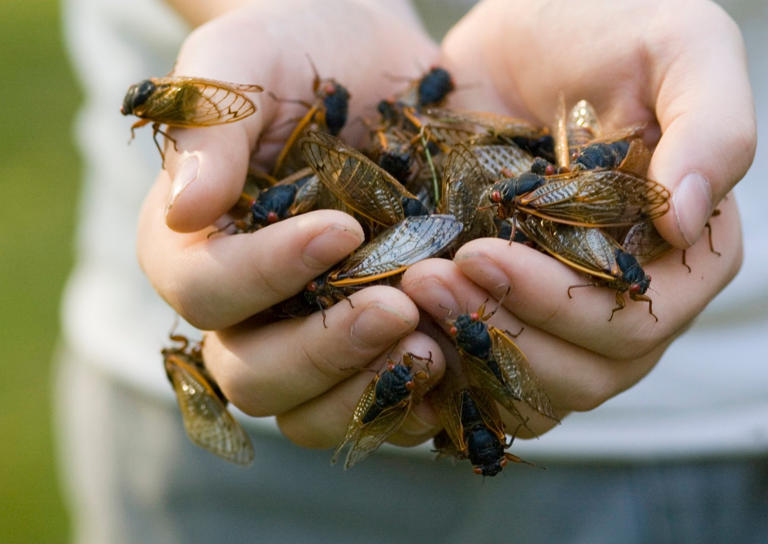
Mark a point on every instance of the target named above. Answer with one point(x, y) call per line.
point(324, 366)
point(230, 374)
point(598, 389)
point(268, 285)
point(298, 432)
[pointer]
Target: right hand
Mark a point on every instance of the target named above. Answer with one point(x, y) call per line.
point(297, 369)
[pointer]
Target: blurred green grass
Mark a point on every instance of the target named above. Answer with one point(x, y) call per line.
point(38, 174)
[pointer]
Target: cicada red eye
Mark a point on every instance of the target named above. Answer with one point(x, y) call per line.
point(496, 197)
point(453, 330)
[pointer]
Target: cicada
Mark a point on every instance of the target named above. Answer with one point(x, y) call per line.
point(579, 137)
point(593, 252)
point(473, 429)
point(203, 405)
point(285, 199)
point(383, 407)
point(492, 128)
point(430, 89)
point(465, 186)
point(357, 181)
point(492, 361)
point(178, 101)
point(395, 249)
point(588, 198)
point(328, 112)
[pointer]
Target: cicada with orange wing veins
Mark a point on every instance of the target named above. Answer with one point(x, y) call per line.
point(492, 361)
point(203, 406)
point(588, 198)
point(411, 240)
point(395, 249)
point(473, 429)
point(178, 101)
point(358, 181)
point(494, 128)
point(593, 252)
point(581, 144)
point(465, 187)
point(327, 113)
point(384, 406)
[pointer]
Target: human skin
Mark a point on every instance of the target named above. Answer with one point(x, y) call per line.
point(649, 64)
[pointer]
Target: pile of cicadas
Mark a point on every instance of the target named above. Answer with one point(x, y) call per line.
point(428, 180)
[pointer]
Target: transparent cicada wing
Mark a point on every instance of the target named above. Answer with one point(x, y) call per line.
point(597, 198)
point(519, 377)
point(192, 101)
point(206, 419)
point(411, 240)
point(353, 178)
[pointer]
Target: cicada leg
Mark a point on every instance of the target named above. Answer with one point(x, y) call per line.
point(580, 285)
point(620, 303)
point(157, 130)
point(137, 124)
point(685, 264)
point(709, 236)
point(644, 298)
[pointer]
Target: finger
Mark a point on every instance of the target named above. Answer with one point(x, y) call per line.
point(219, 281)
point(573, 377)
point(322, 421)
point(271, 369)
point(208, 165)
point(705, 109)
point(541, 298)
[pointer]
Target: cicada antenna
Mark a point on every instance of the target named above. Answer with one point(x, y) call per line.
point(316, 78)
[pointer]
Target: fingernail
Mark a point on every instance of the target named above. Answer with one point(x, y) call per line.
point(692, 202)
point(379, 325)
point(330, 246)
point(186, 174)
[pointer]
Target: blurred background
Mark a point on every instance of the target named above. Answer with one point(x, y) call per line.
point(39, 172)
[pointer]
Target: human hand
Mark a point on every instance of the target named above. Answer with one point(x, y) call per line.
point(296, 369)
point(640, 62)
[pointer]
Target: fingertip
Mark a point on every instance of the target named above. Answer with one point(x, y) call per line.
point(388, 315)
point(341, 235)
point(207, 169)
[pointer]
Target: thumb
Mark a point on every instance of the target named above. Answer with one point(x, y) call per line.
point(705, 109)
point(207, 167)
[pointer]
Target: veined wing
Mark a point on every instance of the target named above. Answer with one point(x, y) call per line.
point(206, 419)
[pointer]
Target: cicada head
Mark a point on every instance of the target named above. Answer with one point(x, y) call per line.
point(137, 94)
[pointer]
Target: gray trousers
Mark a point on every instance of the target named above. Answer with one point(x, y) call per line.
point(131, 475)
